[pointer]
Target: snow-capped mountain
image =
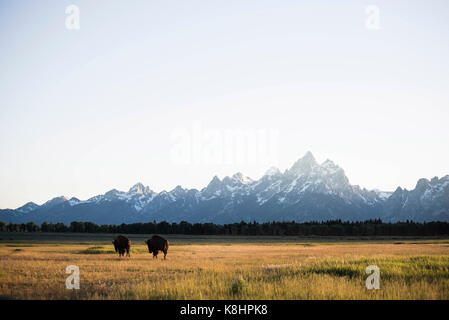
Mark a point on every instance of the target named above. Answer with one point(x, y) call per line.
point(429, 201)
point(308, 191)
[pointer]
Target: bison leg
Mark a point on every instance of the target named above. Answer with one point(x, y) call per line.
point(165, 254)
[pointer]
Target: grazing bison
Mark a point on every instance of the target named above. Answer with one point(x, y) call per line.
point(122, 244)
point(156, 244)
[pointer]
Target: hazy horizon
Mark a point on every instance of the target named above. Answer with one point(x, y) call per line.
point(126, 189)
point(150, 91)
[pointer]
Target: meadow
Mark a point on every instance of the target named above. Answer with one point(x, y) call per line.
point(32, 266)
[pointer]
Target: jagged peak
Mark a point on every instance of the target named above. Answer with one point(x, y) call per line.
point(214, 182)
point(442, 179)
point(398, 190)
point(55, 201)
point(30, 204)
point(62, 198)
point(239, 177)
point(112, 192)
point(308, 157)
point(328, 163)
point(178, 190)
point(27, 207)
point(74, 201)
point(304, 165)
point(422, 183)
point(329, 167)
point(139, 188)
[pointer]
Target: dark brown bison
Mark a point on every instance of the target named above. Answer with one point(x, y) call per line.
point(156, 244)
point(122, 244)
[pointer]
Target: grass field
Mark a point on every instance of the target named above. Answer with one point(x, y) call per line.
point(32, 266)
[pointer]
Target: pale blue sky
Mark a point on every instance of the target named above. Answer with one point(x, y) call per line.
point(84, 111)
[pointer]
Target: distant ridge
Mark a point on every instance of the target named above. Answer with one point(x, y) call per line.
point(308, 191)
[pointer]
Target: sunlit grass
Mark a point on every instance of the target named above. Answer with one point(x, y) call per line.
point(221, 271)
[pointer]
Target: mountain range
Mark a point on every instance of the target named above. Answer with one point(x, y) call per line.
point(308, 191)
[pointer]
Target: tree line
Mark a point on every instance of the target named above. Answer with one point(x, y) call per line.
point(324, 228)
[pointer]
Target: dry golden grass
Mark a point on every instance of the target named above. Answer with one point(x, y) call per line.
point(210, 271)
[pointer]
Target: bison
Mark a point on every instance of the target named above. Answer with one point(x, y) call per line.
point(122, 244)
point(156, 244)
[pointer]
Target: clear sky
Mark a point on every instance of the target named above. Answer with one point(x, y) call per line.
point(146, 90)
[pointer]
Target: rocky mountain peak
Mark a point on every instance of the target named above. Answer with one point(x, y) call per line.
point(27, 207)
point(240, 178)
point(55, 201)
point(305, 165)
point(329, 167)
point(139, 188)
point(422, 184)
point(178, 191)
point(214, 185)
